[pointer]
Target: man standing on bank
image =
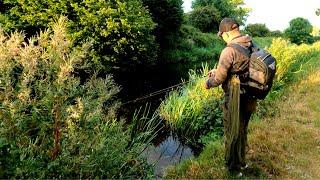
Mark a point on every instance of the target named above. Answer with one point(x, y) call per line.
point(238, 106)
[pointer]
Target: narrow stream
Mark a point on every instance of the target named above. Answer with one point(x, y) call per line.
point(167, 149)
point(169, 152)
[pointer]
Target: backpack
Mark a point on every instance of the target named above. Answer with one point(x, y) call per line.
point(262, 69)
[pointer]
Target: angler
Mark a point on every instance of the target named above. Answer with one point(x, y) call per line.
point(246, 74)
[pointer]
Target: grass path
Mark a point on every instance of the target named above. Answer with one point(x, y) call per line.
point(282, 146)
point(288, 146)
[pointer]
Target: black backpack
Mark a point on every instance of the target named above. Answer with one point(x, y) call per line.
point(262, 69)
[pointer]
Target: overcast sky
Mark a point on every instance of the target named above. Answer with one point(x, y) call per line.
point(276, 14)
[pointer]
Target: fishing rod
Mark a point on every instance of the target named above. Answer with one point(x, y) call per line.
point(159, 92)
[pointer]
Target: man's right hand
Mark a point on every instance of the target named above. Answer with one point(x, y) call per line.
point(212, 72)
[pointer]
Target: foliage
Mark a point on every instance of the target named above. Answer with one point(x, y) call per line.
point(168, 14)
point(120, 30)
point(263, 42)
point(193, 111)
point(52, 124)
point(205, 18)
point(226, 8)
point(194, 47)
point(257, 30)
point(315, 31)
point(276, 33)
point(318, 12)
point(295, 63)
point(290, 58)
point(299, 31)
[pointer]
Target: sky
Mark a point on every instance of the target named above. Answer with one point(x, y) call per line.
point(276, 14)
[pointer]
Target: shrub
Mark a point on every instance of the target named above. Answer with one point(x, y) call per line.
point(292, 61)
point(290, 58)
point(226, 8)
point(193, 46)
point(275, 33)
point(168, 15)
point(205, 18)
point(53, 125)
point(120, 30)
point(257, 30)
point(299, 31)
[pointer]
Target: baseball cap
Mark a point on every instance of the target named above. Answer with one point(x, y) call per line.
point(226, 25)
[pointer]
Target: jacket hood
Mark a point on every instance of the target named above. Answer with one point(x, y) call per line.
point(242, 40)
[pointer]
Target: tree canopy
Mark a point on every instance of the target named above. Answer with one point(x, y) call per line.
point(121, 31)
point(299, 31)
point(226, 8)
point(257, 30)
point(168, 15)
point(205, 18)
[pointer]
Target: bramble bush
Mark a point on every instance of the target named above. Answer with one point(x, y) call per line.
point(52, 125)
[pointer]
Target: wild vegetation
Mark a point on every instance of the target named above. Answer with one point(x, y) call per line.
point(294, 63)
point(299, 31)
point(261, 30)
point(193, 111)
point(55, 125)
point(59, 103)
point(123, 38)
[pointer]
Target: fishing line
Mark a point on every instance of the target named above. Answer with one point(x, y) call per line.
point(159, 92)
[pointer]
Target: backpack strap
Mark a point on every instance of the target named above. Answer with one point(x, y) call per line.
point(241, 49)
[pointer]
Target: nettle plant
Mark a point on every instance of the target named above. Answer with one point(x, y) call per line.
point(52, 125)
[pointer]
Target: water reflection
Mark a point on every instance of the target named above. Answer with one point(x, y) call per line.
point(170, 152)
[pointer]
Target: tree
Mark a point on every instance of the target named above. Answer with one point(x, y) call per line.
point(168, 15)
point(299, 31)
point(226, 8)
point(257, 30)
point(276, 33)
point(318, 12)
point(205, 18)
point(121, 31)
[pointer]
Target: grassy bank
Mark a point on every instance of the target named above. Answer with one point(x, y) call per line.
point(263, 42)
point(278, 142)
point(193, 111)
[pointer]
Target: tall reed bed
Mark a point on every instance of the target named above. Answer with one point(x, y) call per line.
point(192, 110)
